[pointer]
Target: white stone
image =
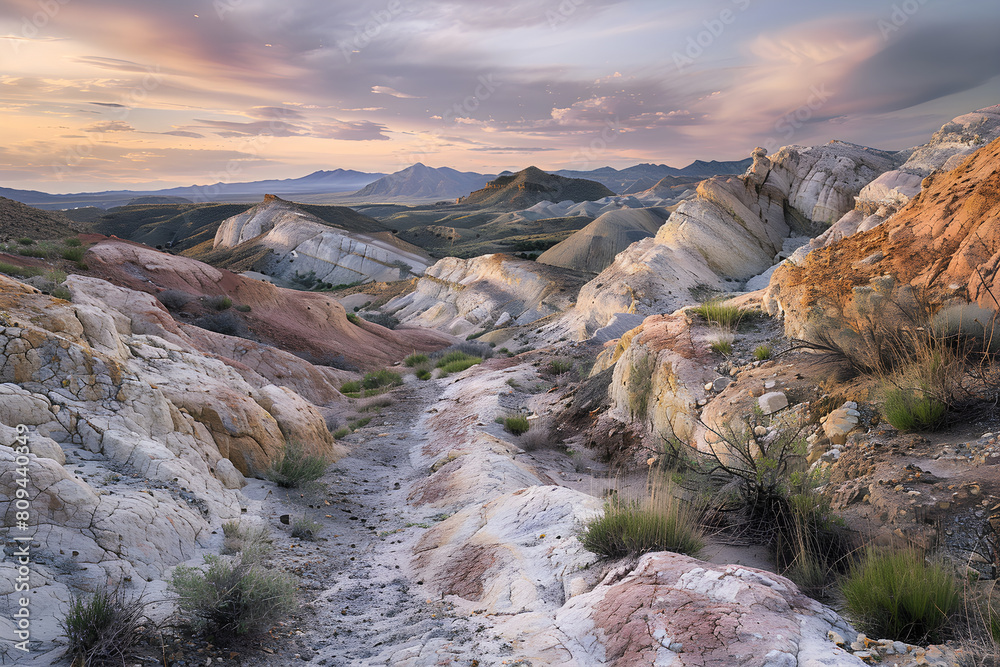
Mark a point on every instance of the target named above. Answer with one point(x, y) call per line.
point(772, 402)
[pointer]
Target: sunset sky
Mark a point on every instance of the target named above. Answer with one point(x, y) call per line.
point(108, 94)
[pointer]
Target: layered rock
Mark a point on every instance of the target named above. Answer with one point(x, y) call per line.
point(942, 248)
point(892, 190)
point(510, 552)
point(310, 324)
point(301, 244)
point(734, 229)
point(461, 296)
point(595, 246)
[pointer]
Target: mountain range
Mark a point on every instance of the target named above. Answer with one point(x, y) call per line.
point(415, 182)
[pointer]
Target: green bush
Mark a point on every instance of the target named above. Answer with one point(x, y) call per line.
point(716, 312)
point(221, 303)
point(350, 387)
point(233, 596)
point(73, 254)
point(901, 596)
point(458, 365)
point(252, 542)
point(20, 271)
point(560, 366)
point(305, 528)
point(73, 242)
point(415, 360)
point(423, 374)
point(380, 379)
point(762, 352)
point(341, 433)
point(914, 410)
point(39, 253)
point(243, 308)
point(105, 628)
point(359, 423)
point(353, 319)
point(517, 425)
point(296, 468)
point(457, 357)
point(722, 346)
point(662, 522)
point(26, 240)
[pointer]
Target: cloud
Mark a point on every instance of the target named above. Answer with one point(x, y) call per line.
point(363, 130)
point(110, 104)
point(511, 149)
point(279, 113)
point(115, 64)
point(109, 126)
point(386, 90)
point(183, 133)
point(272, 128)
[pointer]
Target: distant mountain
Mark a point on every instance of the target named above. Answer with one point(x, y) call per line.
point(640, 177)
point(423, 181)
point(318, 182)
point(526, 188)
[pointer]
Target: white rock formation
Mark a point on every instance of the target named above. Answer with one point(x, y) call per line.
point(302, 244)
point(734, 229)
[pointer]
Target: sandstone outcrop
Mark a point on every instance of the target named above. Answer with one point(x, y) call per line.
point(734, 229)
point(302, 245)
point(595, 246)
point(461, 296)
point(942, 248)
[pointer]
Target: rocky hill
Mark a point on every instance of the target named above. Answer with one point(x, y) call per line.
point(595, 246)
point(531, 186)
point(18, 220)
point(422, 182)
point(944, 245)
point(284, 241)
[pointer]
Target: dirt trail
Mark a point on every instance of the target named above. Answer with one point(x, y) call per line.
point(363, 605)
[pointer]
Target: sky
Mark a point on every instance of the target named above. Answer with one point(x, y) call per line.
point(142, 94)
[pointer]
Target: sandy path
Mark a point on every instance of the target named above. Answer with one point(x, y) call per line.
point(363, 606)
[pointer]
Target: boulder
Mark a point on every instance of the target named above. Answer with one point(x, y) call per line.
point(772, 401)
point(227, 473)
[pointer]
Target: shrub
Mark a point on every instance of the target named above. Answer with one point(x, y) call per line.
point(415, 360)
point(914, 410)
point(456, 362)
point(243, 308)
point(296, 468)
point(252, 542)
point(342, 433)
point(305, 528)
point(73, 242)
point(560, 366)
point(224, 323)
point(233, 596)
point(353, 319)
point(901, 596)
point(173, 299)
point(359, 423)
point(26, 241)
point(382, 319)
point(74, 254)
point(640, 386)
point(105, 628)
point(537, 437)
point(516, 425)
point(762, 352)
point(423, 374)
point(350, 387)
point(661, 522)
point(20, 271)
point(40, 253)
point(468, 348)
point(220, 303)
point(380, 379)
point(716, 312)
point(722, 347)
